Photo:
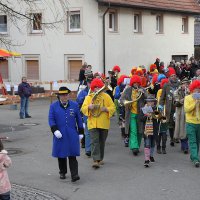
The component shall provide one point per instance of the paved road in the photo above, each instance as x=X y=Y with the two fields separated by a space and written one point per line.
x=34 y=172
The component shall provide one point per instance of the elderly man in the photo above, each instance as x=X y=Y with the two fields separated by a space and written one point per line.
x=66 y=124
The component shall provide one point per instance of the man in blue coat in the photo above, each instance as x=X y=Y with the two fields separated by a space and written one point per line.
x=67 y=127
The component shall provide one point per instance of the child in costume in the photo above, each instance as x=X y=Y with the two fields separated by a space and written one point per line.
x=149 y=130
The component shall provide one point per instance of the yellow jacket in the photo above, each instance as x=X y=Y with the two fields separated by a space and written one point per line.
x=103 y=121
x=159 y=93
x=190 y=110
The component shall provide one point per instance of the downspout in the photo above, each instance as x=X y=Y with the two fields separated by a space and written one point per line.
x=104 y=41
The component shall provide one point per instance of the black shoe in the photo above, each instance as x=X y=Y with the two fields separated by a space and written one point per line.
x=197 y=164
x=176 y=140
x=164 y=151
x=21 y=117
x=28 y=116
x=185 y=151
x=75 y=178
x=158 y=151
x=146 y=163
x=62 y=176
x=135 y=152
x=172 y=143
x=152 y=159
x=88 y=154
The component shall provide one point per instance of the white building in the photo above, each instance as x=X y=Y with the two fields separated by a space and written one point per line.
x=135 y=34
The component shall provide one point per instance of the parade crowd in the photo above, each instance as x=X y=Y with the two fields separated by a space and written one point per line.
x=149 y=104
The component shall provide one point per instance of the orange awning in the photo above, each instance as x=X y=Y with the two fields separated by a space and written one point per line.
x=12 y=53
x=4 y=54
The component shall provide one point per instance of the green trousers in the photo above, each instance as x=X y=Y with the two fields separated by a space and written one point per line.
x=98 y=138
x=193 y=134
x=135 y=138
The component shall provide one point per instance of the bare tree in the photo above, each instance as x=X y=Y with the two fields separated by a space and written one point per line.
x=17 y=14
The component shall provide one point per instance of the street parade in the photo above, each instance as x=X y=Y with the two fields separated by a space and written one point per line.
x=156 y=105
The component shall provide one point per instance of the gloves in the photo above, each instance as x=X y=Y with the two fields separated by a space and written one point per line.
x=80 y=137
x=57 y=134
x=160 y=107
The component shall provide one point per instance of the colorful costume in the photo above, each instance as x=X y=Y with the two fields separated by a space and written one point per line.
x=192 y=108
x=99 y=110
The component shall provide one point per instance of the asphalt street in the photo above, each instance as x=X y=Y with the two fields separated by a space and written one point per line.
x=34 y=173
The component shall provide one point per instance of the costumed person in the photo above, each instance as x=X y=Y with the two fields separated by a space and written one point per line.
x=117 y=70
x=155 y=86
x=133 y=98
x=80 y=99
x=140 y=73
x=162 y=125
x=152 y=70
x=66 y=125
x=24 y=91
x=121 y=84
x=150 y=127
x=111 y=81
x=167 y=100
x=192 y=115
x=180 y=131
x=99 y=108
x=133 y=70
x=5 y=163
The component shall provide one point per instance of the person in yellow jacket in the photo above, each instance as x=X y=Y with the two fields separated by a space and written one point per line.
x=99 y=108
x=192 y=115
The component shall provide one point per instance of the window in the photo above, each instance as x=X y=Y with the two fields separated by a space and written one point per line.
x=159 y=24
x=4 y=69
x=137 y=23
x=185 y=25
x=74 y=69
x=36 y=23
x=178 y=58
x=74 y=21
x=113 y=21
x=3 y=24
x=32 y=69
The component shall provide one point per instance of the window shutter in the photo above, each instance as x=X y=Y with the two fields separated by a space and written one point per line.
x=32 y=69
x=74 y=69
x=4 y=69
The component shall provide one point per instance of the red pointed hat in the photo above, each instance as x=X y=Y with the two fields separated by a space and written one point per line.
x=96 y=83
x=116 y=68
x=135 y=79
x=195 y=84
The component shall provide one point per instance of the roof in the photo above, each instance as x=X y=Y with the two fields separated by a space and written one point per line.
x=184 y=6
x=197 y=34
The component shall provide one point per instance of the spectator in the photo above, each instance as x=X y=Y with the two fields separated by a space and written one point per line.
x=24 y=91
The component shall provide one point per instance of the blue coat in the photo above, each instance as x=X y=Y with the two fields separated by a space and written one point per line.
x=68 y=121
